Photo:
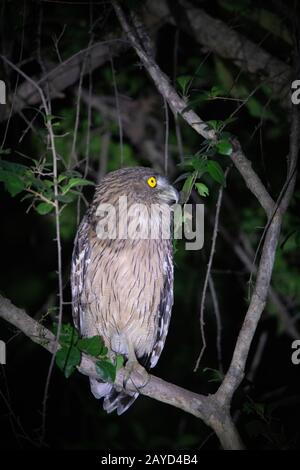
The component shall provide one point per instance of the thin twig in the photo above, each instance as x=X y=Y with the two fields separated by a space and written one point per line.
x=89 y=119
x=17 y=79
x=40 y=196
x=207 y=275
x=257 y=356
x=56 y=42
x=105 y=141
x=215 y=302
x=78 y=101
x=114 y=81
x=57 y=223
x=166 y=152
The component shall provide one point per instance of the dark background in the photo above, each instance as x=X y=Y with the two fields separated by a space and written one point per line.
x=266 y=407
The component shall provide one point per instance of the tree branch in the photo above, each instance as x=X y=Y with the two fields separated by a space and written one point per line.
x=206 y=408
x=176 y=103
x=178 y=106
x=230 y=44
x=236 y=370
x=218 y=37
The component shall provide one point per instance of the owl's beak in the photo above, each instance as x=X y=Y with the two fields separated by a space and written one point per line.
x=170 y=195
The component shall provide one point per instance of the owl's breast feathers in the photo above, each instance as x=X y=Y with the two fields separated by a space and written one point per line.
x=122 y=294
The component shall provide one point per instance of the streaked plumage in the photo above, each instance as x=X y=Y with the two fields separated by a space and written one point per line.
x=122 y=289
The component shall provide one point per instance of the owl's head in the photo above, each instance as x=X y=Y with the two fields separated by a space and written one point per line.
x=139 y=184
x=134 y=204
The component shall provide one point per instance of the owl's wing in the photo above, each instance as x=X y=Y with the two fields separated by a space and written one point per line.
x=80 y=261
x=164 y=311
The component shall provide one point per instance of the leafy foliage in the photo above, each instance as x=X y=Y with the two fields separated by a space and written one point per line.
x=39 y=186
x=68 y=357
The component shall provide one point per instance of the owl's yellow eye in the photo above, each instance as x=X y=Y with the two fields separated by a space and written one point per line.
x=152 y=181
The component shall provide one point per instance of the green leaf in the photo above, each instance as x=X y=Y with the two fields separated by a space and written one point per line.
x=68 y=334
x=61 y=178
x=76 y=182
x=67 y=198
x=230 y=120
x=216 y=91
x=216 y=375
x=225 y=135
x=12 y=182
x=15 y=168
x=119 y=361
x=200 y=164
x=187 y=187
x=44 y=208
x=39 y=185
x=67 y=359
x=48 y=183
x=216 y=172
x=49 y=117
x=224 y=147
x=186 y=164
x=92 y=346
x=215 y=124
x=258 y=110
x=106 y=370
x=202 y=189
x=183 y=81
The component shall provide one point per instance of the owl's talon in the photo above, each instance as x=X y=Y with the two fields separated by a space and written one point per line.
x=133 y=367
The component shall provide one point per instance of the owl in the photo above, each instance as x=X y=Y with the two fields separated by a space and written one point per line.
x=122 y=272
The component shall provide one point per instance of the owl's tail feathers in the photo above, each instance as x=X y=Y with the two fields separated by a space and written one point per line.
x=119 y=401
x=113 y=400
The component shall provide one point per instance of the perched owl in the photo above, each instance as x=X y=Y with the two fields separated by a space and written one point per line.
x=122 y=271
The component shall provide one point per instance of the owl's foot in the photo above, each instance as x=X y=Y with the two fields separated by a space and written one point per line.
x=134 y=368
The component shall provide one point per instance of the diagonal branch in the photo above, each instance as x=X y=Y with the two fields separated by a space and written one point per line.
x=228 y=43
x=178 y=106
x=176 y=103
x=215 y=35
x=206 y=408
x=258 y=301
